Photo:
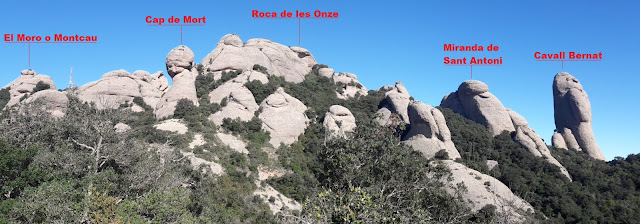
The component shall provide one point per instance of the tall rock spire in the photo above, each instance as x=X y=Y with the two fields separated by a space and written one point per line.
x=474 y=101
x=572 y=113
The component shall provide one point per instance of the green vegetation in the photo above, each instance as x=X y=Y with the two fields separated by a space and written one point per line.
x=5 y=96
x=600 y=192
x=369 y=170
x=76 y=169
x=40 y=86
x=249 y=130
x=261 y=91
x=185 y=109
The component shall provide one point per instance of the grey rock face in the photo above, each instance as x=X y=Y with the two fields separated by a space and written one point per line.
x=428 y=132
x=474 y=101
x=479 y=194
x=179 y=60
x=183 y=74
x=54 y=102
x=396 y=101
x=284 y=117
x=117 y=87
x=121 y=128
x=531 y=141
x=233 y=142
x=338 y=121
x=305 y=55
x=350 y=85
x=240 y=101
x=558 y=141
x=291 y=63
x=572 y=111
x=326 y=72
x=232 y=40
x=24 y=84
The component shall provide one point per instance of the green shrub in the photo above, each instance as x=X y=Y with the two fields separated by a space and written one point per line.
x=442 y=154
x=5 y=96
x=40 y=86
x=588 y=198
x=261 y=91
x=185 y=109
x=250 y=130
x=260 y=68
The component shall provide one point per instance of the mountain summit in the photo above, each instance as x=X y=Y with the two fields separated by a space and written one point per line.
x=259 y=132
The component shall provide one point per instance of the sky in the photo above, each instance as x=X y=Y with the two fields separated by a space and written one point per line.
x=381 y=42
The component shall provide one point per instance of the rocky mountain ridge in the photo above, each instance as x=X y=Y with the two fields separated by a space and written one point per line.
x=285 y=117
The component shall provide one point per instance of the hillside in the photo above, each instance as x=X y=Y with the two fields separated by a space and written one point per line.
x=259 y=132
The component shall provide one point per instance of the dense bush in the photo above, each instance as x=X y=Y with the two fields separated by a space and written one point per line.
x=185 y=109
x=384 y=177
x=5 y=96
x=40 y=86
x=250 y=130
x=261 y=91
x=206 y=82
x=77 y=169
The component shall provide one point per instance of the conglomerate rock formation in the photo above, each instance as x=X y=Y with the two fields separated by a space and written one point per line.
x=572 y=113
x=338 y=122
x=284 y=117
x=428 y=132
x=120 y=86
x=25 y=84
x=183 y=74
x=474 y=101
x=231 y=54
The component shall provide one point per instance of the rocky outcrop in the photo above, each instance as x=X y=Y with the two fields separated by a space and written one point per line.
x=280 y=203
x=121 y=128
x=183 y=76
x=118 y=87
x=338 y=121
x=172 y=125
x=558 y=141
x=284 y=117
x=326 y=72
x=233 y=142
x=428 y=132
x=532 y=142
x=291 y=63
x=178 y=60
x=482 y=190
x=198 y=140
x=240 y=101
x=305 y=55
x=203 y=165
x=158 y=81
x=53 y=101
x=349 y=85
x=396 y=101
x=474 y=101
x=25 y=84
x=572 y=113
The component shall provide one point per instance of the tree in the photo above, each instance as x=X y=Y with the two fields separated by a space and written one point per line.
x=185 y=109
x=40 y=86
x=5 y=96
